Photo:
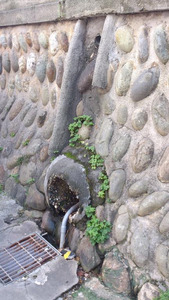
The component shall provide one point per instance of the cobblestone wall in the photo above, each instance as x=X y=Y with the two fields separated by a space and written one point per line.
x=122 y=82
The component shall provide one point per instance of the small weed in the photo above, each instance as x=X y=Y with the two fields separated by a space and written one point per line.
x=16 y=177
x=98 y=231
x=23 y=160
x=30 y=181
x=96 y=161
x=1 y=149
x=163 y=296
x=1 y=188
x=26 y=142
x=76 y=125
x=90 y=148
x=12 y=134
x=104 y=186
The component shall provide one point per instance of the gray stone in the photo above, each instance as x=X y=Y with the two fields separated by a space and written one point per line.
x=3 y=81
x=123 y=79
x=11 y=86
x=18 y=83
x=3 y=101
x=53 y=43
x=124 y=38
x=14 y=61
x=94 y=289
x=121 y=146
x=152 y=203
x=104 y=136
x=145 y=84
x=115 y=274
x=6 y=61
x=143 y=155
x=15 y=42
x=138 y=188
x=100 y=78
x=11 y=187
x=41 y=68
x=117 y=181
x=21 y=194
x=30 y=117
x=64 y=115
x=36 y=44
x=10 y=41
x=43 y=155
x=143 y=45
x=34 y=92
x=161 y=45
x=22 y=64
x=148 y=291
x=3 y=41
x=48 y=129
x=59 y=71
x=27 y=172
x=84 y=132
x=28 y=39
x=22 y=42
x=35 y=199
x=25 y=84
x=41 y=118
x=89 y=258
x=48 y=223
x=120 y=227
x=108 y=104
x=7 y=149
x=163 y=172
x=122 y=114
x=164 y=225
x=31 y=63
x=162 y=258
x=160 y=114
x=16 y=108
x=86 y=77
x=139 y=118
x=45 y=95
x=43 y=39
x=0 y=64
x=25 y=110
x=74 y=238
x=51 y=71
x=53 y=98
x=63 y=41
x=140 y=247
x=33 y=147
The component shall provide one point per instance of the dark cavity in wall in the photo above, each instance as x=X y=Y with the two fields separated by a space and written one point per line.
x=61 y=197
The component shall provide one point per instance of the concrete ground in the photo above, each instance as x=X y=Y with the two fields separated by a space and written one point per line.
x=45 y=283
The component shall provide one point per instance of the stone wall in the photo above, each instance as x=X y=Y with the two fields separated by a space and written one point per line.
x=122 y=82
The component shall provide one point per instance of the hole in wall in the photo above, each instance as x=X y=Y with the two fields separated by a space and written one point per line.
x=61 y=197
x=97 y=40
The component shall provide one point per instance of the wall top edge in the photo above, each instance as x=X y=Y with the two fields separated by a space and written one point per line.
x=48 y=10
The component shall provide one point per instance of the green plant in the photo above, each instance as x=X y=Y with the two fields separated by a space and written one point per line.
x=16 y=177
x=23 y=159
x=76 y=125
x=98 y=231
x=163 y=296
x=1 y=188
x=12 y=134
x=96 y=161
x=26 y=142
x=30 y=181
x=104 y=186
x=1 y=149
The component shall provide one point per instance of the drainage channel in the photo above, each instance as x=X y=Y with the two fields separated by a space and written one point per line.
x=24 y=256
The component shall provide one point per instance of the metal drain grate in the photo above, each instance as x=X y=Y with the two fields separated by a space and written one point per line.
x=24 y=256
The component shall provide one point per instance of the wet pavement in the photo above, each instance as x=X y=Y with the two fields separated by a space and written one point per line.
x=49 y=281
